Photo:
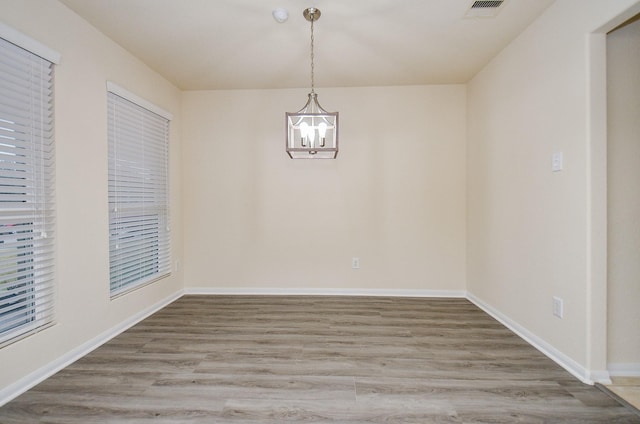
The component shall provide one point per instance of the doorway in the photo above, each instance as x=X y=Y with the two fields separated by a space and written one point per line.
x=623 y=210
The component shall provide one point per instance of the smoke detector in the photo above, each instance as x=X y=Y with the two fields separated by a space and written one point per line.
x=280 y=14
x=484 y=8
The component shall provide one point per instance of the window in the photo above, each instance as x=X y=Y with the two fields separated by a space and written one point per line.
x=139 y=234
x=27 y=218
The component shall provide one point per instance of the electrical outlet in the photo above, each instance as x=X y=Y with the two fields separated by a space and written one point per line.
x=558 y=308
x=355 y=263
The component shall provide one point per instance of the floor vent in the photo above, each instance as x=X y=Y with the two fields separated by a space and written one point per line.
x=484 y=8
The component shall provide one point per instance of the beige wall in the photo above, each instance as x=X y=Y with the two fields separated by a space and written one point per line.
x=623 y=82
x=89 y=59
x=533 y=233
x=442 y=188
x=394 y=197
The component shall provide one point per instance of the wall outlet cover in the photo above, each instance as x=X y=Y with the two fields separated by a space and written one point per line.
x=558 y=307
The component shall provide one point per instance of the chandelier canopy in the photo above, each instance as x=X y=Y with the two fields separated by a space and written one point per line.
x=312 y=132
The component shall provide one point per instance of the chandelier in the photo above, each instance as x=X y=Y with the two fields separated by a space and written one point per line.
x=312 y=132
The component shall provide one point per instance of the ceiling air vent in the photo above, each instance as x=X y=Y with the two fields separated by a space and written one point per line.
x=480 y=4
x=484 y=8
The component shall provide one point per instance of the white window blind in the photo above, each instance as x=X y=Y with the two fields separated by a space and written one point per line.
x=27 y=215
x=139 y=233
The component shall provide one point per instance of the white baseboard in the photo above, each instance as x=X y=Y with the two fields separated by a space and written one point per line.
x=629 y=369
x=322 y=292
x=602 y=377
x=577 y=370
x=19 y=387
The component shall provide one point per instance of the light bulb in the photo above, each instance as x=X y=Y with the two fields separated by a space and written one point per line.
x=304 y=130
x=322 y=131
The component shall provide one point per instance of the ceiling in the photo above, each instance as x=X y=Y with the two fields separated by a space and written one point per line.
x=237 y=44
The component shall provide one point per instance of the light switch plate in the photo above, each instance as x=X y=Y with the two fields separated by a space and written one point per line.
x=558 y=307
x=557 y=162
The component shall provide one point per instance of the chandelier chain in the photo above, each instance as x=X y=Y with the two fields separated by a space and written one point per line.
x=312 y=57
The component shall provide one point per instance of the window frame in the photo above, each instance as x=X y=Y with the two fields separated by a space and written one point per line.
x=27 y=175
x=139 y=195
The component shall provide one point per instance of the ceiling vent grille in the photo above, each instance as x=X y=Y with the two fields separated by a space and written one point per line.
x=483 y=4
x=484 y=8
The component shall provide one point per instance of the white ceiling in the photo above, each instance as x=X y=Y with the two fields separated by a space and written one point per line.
x=236 y=44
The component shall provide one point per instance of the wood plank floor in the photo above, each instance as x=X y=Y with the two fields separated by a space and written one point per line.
x=246 y=359
x=626 y=390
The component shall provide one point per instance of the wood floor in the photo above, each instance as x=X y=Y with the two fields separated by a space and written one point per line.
x=626 y=389
x=226 y=359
